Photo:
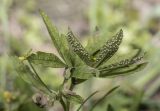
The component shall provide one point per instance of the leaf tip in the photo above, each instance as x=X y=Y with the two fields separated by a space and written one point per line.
x=121 y=32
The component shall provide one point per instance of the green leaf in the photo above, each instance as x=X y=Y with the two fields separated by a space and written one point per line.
x=59 y=40
x=124 y=70
x=103 y=98
x=70 y=58
x=46 y=60
x=84 y=72
x=27 y=75
x=74 y=98
x=110 y=108
x=87 y=100
x=77 y=47
x=116 y=58
x=109 y=49
x=123 y=63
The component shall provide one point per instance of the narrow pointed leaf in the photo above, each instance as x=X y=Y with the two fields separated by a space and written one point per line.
x=116 y=58
x=59 y=40
x=109 y=49
x=78 y=48
x=104 y=97
x=27 y=75
x=87 y=100
x=123 y=71
x=123 y=63
x=46 y=60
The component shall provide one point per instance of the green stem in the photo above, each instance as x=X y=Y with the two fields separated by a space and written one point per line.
x=64 y=81
x=71 y=88
x=66 y=104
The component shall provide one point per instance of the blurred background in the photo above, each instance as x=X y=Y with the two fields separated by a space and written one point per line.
x=22 y=29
